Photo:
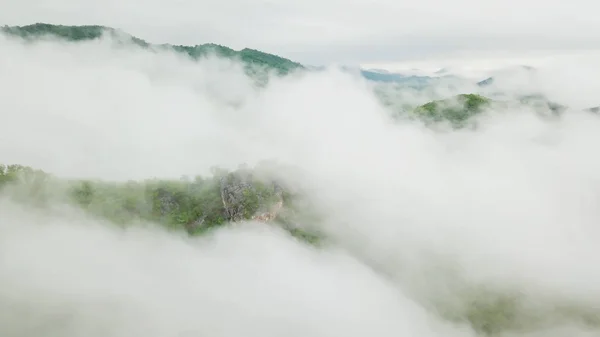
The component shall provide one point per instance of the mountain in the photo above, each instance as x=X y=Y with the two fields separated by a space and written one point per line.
x=191 y=205
x=456 y=109
x=508 y=71
x=385 y=76
x=250 y=57
x=389 y=77
x=486 y=82
x=204 y=204
x=459 y=109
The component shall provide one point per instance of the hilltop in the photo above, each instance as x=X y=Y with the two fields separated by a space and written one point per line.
x=250 y=57
x=203 y=204
x=193 y=205
x=455 y=109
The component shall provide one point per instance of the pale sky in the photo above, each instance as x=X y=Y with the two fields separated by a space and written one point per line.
x=325 y=31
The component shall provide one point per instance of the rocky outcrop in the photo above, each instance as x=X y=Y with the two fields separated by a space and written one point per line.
x=247 y=198
x=235 y=192
x=272 y=209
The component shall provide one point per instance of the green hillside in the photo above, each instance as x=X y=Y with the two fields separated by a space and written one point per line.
x=460 y=109
x=202 y=204
x=191 y=205
x=251 y=57
x=455 y=109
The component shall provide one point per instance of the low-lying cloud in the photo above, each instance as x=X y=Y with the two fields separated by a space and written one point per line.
x=419 y=220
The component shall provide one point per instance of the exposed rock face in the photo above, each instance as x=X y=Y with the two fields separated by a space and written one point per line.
x=235 y=192
x=243 y=200
x=271 y=214
x=269 y=211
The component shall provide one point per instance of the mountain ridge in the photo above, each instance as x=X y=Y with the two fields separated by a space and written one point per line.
x=254 y=59
x=249 y=56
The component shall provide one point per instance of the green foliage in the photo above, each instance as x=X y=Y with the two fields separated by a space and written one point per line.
x=460 y=109
x=282 y=65
x=493 y=313
x=71 y=33
x=194 y=205
x=34 y=183
x=457 y=110
x=253 y=59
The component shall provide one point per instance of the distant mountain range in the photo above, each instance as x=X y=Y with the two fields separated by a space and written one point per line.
x=251 y=57
x=255 y=60
x=82 y=33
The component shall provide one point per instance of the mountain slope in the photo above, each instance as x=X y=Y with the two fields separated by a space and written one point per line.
x=207 y=203
x=455 y=109
x=191 y=205
x=250 y=57
x=458 y=110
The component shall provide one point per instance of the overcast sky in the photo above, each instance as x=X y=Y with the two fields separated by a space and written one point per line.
x=325 y=31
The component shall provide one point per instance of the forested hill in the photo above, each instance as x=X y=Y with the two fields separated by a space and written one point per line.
x=455 y=109
x=249 y=56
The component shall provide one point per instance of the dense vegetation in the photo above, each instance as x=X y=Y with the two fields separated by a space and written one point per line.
x=193 y=205
x=201 y=204
x=460 y=110
x=457 y=109
x=252 y=58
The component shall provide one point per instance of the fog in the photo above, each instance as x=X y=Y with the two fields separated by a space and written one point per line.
x=419 y=220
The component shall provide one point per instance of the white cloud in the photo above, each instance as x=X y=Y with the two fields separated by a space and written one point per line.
x=512 y=205
x=326 y=31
